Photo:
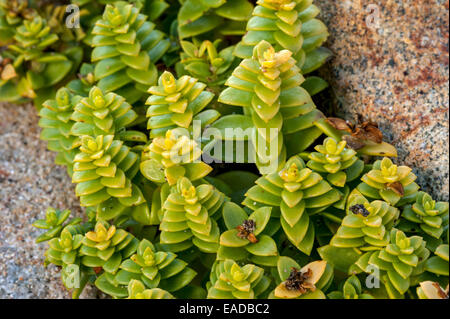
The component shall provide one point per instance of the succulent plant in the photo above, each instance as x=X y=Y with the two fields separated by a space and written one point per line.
x=53 y=223
x=366 y=225
x=431 y=290
x=65 y=27
x=64 y=250
x=204 y=61
x=84 y=82
x=188 y=217
x=296 y=191
x=94 y=164
x=351 y=289
x=230 y=281
x=177 y=103
x=244 y=239
x=151 y=268
x=36 y=67
x=126 y=48
x=364 y=137
x=438 y=264
x=167 y=159
x=197 y=17
x=338 y=163
x=290 y=25
x=301 y=282
x=105 y=248
x=12 y=13
x=137 y=290
x=162 y=221
x=101 y=114
x=267 y=86
x=403 y=258
x=431 y=216
x=56 y=123
x=103 y=170
x=394 y=184
x=91 y=10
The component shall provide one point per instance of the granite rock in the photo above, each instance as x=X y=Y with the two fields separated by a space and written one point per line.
x=391 y=65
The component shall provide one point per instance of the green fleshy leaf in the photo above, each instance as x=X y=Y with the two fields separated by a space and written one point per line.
x=231 y=239
x=233 y=215
x=264 y=247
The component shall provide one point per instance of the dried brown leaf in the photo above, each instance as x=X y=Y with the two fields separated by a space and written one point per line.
x=397 y=187
x=353 y=142
x=370 y=131
x=340 y=124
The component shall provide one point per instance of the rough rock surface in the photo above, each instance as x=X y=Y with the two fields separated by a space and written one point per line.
x=29 y=183
x=391 y=65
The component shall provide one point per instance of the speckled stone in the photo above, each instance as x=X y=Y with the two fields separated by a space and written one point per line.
x=29 y=183
x=391 y=65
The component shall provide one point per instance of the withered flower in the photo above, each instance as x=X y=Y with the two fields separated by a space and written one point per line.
x=298 y=280
x=359 y=209
x=246 y=230
x=301 y=281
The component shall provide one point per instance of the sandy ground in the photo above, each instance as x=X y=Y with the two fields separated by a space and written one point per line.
x=29 y=183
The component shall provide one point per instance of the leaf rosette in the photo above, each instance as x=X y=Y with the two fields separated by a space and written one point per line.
x=126 y=48
x=294 y=192
x=399 y=262
x=431 y=216
x=230 y=281
x=150 y=267
x=389 y=182
x=244 y=239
